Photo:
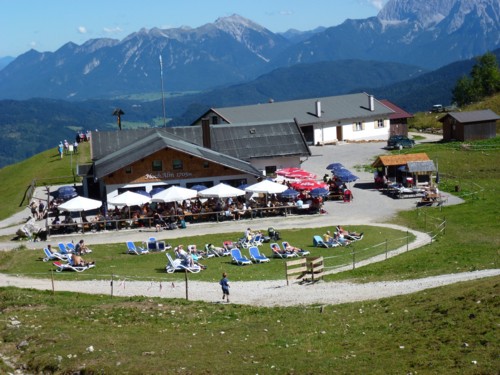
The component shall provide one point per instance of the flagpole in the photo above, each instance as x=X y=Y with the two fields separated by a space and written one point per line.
x=162 y=93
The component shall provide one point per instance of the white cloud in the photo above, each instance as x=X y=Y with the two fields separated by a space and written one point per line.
x=82 y=29
x=112 y=30
x=286 y=13
x=377 y=4
x=33 y=44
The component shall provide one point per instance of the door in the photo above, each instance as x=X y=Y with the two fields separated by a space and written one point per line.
x=308 y=132
x=340 y=136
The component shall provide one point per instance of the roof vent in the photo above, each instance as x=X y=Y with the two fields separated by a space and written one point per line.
x=252 y=131
x=371 y=103
x=318 y=108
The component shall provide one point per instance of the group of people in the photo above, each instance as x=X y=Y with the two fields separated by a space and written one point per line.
x=341 y=237
x=37 y=209
x=76 y=259
x=190 y=257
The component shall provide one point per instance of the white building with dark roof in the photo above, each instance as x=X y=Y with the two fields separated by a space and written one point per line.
x=326 y=120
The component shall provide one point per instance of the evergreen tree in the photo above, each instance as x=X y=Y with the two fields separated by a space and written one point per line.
x=484 y=81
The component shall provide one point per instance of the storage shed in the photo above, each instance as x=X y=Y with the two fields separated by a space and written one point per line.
x=417 y=168
x=469 y=126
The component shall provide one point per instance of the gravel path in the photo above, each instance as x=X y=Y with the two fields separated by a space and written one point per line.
x=369 y=207
x=256 y=293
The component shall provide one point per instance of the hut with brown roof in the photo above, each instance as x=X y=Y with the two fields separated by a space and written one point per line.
x=406 y=168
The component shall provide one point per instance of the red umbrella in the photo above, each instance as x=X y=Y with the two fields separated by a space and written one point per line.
x=295 y=173
x=308 y=185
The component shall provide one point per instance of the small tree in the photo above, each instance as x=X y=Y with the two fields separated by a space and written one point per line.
x=484 y=81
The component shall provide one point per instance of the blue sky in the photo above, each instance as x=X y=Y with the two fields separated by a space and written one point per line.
x=46 y=25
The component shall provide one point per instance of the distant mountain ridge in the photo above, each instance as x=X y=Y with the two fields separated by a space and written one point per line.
x=34 y=125
x=427 y=33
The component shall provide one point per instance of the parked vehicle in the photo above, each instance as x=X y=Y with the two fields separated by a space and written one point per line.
x=400 y=141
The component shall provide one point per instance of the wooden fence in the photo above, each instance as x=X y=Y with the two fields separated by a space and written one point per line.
x=304 y=269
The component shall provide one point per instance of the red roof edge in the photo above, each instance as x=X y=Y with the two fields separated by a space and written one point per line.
x=398 y=112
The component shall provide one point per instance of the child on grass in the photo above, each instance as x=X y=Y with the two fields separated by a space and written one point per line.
x=224 y=283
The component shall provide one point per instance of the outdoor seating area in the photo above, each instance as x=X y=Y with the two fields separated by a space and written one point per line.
x=176 y=207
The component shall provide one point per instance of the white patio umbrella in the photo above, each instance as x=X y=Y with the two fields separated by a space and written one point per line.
x=221 y=191
x=80 y=204
x=174 y=194
x=267 y=187
x=129 y=198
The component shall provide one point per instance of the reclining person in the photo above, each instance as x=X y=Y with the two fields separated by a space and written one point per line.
x=292 y=249
x=276 y=248
x=77 y=261
x=349 y=235
x=187 y=259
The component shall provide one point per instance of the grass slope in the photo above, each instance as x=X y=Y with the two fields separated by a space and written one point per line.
x=46 y=168
x=448 y=330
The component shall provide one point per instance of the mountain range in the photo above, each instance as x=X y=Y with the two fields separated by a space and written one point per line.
x=236 y=62
x=425 y=33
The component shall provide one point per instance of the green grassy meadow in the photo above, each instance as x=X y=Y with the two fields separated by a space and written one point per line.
x=446 y=330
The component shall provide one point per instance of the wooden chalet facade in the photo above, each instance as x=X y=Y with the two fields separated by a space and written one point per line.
x=398 y=119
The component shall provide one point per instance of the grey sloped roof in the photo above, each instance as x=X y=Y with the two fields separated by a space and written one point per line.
x=249 y=141
x=333 y=108
x=421 y=166
x=473 y=116
x=156 y=141
x=105 y=143
x=268 y=140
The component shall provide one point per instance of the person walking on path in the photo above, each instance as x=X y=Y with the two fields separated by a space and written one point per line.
x=224 y=283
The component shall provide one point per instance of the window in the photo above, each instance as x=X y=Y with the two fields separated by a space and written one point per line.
x=157 y=165
x=206 y=164
x=270 y=170
x=380 y=123
x=177 y=164
x=128 y=170
x=215 y=120
x=358 y=126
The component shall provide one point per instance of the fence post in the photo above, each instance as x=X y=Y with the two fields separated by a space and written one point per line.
x=386 y=249
x=112 y=285
x=286 y=274
x=187 y=287
x=444 y=229
x=407 y=241
x=52 y=278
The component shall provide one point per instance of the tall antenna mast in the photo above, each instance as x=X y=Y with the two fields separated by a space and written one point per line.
x=162 y=94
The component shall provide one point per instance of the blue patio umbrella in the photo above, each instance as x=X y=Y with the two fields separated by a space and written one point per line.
x=348 y=177
x=335 y=166
x=319 y=192
x=198 y=187
x=289 y=193
x=143 y=192
x=156 y=190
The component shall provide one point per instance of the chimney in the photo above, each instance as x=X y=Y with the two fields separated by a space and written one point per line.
x=205 y=133
x=318 y=108
x=371 y=103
